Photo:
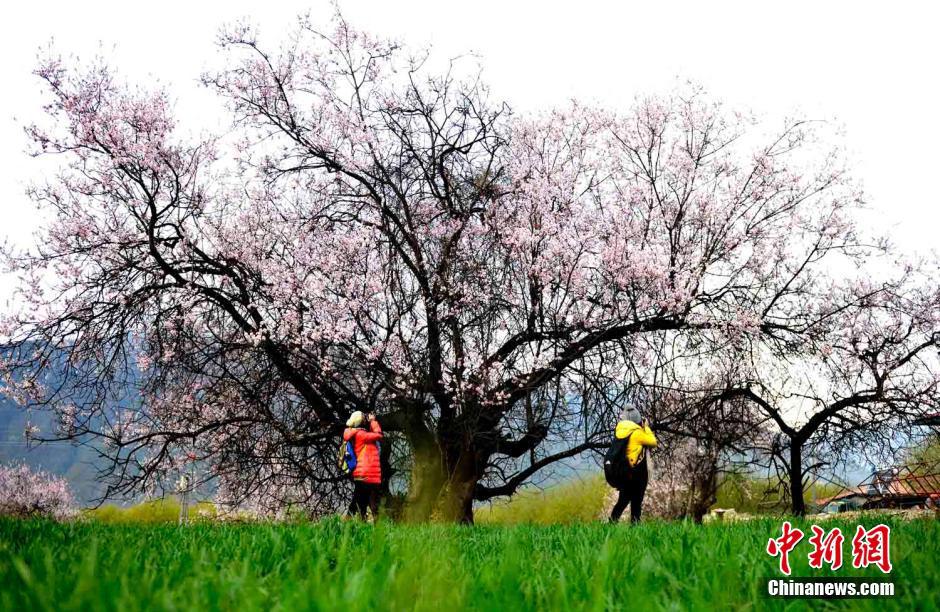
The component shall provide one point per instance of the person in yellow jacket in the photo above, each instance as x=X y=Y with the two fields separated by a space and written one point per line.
x=633 y=490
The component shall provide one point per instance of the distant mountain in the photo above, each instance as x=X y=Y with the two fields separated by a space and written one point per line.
x=75 y=463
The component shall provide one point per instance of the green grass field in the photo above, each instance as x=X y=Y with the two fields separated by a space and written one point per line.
x=349 y=565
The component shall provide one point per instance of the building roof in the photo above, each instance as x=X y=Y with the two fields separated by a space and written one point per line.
x=843 y=494
x=919 y=480
x=914 y=480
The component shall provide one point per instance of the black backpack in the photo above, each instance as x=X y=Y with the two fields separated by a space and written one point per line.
x=617 y=469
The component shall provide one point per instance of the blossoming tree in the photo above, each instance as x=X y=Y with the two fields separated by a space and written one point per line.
x=28 y=493
x=375 y=234
x=870 y=374
x=857 y=380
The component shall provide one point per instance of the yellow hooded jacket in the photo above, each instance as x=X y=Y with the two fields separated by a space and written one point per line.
x=642 y=437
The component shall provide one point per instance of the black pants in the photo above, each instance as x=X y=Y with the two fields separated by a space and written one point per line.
x=365 y=496
x=632 y=493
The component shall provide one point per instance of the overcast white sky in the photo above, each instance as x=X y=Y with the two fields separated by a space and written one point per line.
x=874 y=67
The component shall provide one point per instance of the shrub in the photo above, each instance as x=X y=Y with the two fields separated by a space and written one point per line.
x=25 y=493
x=575 y=501
x=152 y=511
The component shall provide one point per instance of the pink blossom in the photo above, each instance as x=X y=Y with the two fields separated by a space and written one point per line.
x=25 y=493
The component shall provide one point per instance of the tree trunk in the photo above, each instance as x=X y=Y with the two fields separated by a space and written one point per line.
x=705 y=485
x=444 y=475
x=457 y=498
x=798 y=505
x=427 y=476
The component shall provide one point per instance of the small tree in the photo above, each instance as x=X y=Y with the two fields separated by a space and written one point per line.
x=869 y=374
x=27 y=493
x=700 y=434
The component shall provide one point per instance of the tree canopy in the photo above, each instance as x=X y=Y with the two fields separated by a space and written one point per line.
x=374 y=234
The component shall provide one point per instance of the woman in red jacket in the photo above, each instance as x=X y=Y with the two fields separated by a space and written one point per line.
x=367 y=476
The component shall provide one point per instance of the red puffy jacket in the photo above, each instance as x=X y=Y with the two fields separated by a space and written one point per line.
x=368 y=465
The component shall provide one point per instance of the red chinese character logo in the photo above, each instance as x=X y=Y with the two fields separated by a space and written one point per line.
x=828 y=548
x=872 y=547
x=783 y=545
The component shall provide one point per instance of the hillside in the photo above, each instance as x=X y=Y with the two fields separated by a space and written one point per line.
x=75 y=463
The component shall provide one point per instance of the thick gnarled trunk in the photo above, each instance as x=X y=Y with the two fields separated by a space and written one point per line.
x=427 y=476
x=456 y=500
x=444 y=475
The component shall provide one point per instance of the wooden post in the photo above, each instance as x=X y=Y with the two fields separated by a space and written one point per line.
x=182 y=488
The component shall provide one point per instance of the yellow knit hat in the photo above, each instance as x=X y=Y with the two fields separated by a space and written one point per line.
x=355 y=419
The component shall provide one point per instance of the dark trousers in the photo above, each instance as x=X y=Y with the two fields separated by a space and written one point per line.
x=632 y=493
x=365 y=496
